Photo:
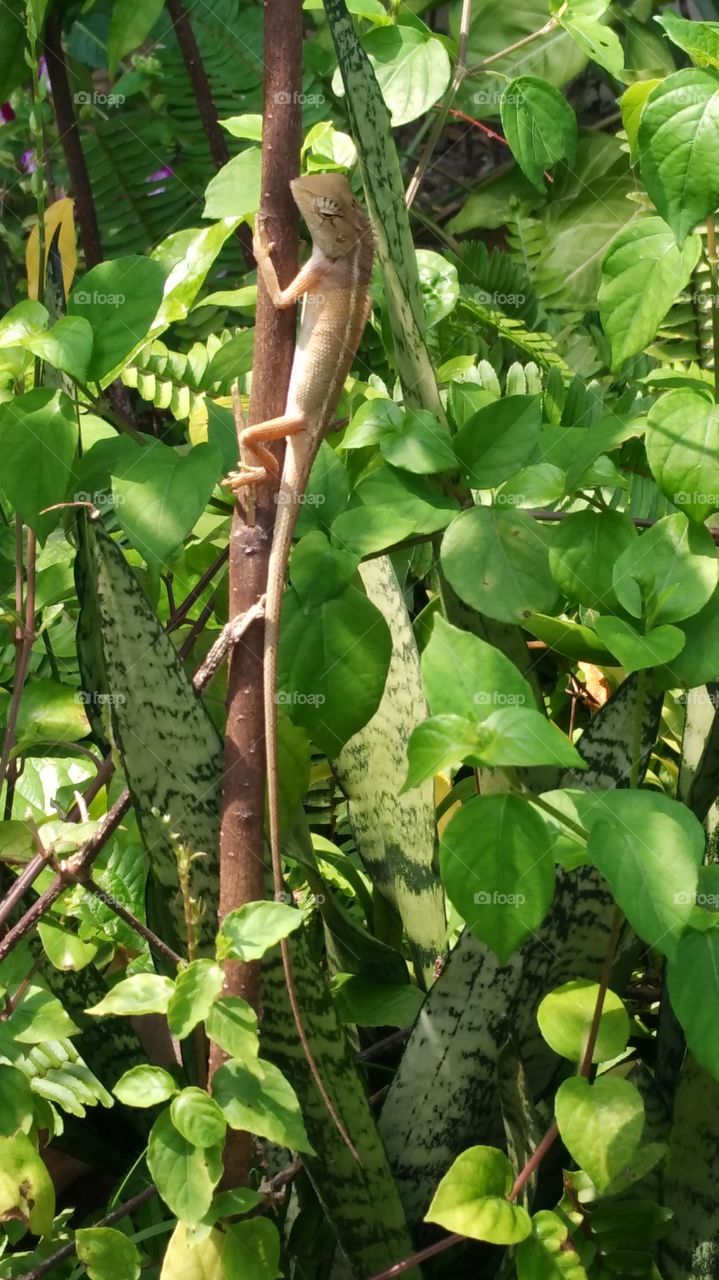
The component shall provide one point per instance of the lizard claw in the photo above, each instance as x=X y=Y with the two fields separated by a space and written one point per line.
x=260 y=247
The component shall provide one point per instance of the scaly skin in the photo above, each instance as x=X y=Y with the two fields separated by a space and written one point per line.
x=334 y=284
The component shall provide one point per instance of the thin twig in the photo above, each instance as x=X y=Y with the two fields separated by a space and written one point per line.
x=156 y=943
x=460 y=71
x=182 y=610
x=202 y=91
x=67 y=1250
x=514 y=48
x=25 y=637
x=70 y=140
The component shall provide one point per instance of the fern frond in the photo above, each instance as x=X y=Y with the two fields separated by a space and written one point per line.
x=176 y=380
x=503 y=281
x=526 y=240
x=539 y=347
x=158 y=126
x=685 y=335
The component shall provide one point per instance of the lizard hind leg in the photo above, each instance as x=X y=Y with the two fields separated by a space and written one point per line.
x=253 y=442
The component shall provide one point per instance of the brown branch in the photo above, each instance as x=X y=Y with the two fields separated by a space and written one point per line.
x=70 y=139
x=81 y=860
x=24 y=638
x=202 y=90
x=154 y=942
x=242 y=864
x=67 y=1250
x=193 y=596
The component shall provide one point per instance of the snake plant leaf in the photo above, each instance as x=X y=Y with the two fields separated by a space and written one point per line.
x=384 y=190
x=171 y=752
x=444 y=1096
x=361 y=1200
x=690 y=1248
x=523 y=1127
x=394 y=830
x=699 y=772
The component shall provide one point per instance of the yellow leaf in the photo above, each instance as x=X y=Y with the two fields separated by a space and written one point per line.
x=59 y=214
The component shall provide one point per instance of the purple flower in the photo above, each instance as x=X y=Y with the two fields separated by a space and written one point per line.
x=28 y=161
x=6 y=113
x=157 y=176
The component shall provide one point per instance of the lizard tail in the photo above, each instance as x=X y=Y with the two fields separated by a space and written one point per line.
x=281 y=544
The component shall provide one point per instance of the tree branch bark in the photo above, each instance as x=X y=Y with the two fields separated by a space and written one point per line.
x=242 y=863
x=70 y=139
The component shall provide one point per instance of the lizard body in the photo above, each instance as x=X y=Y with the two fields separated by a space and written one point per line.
x=334 y=285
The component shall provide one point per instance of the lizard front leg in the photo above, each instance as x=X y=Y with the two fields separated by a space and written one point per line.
x=254 y=439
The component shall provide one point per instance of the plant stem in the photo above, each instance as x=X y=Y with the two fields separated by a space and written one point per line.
x=713 y=262
x=514 y=48
x=441 y=119
x=70 y=139
x=38 y=177
x=604 y=977
x=202 y=90
x=151 y=938
x=572 y=826
x=67 y=1250
x=24 y=638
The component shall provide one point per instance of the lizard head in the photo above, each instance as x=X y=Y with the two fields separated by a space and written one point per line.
x=334 y=219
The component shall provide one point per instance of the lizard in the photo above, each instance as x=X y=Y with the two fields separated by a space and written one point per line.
x=334 y=287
